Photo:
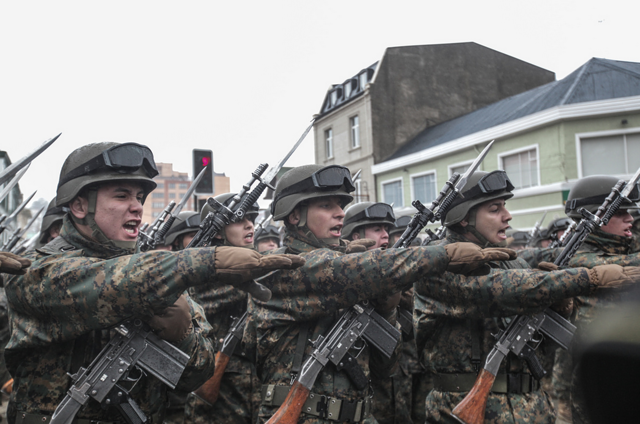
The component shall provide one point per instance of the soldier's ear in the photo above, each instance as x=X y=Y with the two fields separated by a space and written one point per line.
x=294 y=217
x=79 y=207
x=355 y=236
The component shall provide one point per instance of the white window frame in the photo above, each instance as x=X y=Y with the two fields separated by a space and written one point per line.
x=354 y=131
x=581 y=136
x=520 y=150
x=420 y=174
x=328 y=143
x=394 y=180
x=457 y=164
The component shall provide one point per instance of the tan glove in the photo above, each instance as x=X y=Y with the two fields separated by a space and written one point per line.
x=467 y=258
x=613 y=276
x=174 y=323
x=359 y=246
x=238 y=267
x=13 y=264
x=548 y=266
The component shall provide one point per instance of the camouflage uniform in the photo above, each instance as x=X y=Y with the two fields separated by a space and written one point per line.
x=238 y=398
x=62 y=309
x=315 y=294
x=445 y=334
x=4 y=338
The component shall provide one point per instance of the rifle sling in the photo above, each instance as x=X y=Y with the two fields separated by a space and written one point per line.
x=515 y=383
x=326 y=407
x=302 y=341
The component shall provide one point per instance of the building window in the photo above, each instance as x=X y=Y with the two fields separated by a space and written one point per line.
x=158 y=195
x=424 y=187
x=157 y=205
x=459 y=168
x=172 y=185
x=392 y=193
x=354 y=124
x=183 y=185
x=172 y=195
x=155 y=214
x=160 y=185
x=328 y=143
x=521 y=167
x=610 y=154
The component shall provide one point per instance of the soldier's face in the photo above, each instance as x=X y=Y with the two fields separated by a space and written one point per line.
x=620 y=224
x=119 y=210
x=379 y=233
x=325 y=218
x=266 y=245
x=492 y=221
x=240 y=234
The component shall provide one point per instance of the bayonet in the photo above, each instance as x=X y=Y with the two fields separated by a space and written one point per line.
x=11 y=170
x=7 y=189
x=17 y=235
x=4 y=222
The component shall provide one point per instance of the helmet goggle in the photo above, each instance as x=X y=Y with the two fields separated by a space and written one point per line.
x=326 y=179
x=125 y=158
x=376 y=211
x=495 y=181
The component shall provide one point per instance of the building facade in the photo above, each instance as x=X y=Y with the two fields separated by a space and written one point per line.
x=172 y=185
x=546 y=139
x=368 y=117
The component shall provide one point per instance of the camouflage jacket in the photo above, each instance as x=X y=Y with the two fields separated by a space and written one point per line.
x=313 y=296
x=454 y=336
x=62 y=309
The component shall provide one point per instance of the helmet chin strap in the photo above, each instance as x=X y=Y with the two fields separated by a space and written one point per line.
x=471 y=228
x=96 y=233
x=302 y=227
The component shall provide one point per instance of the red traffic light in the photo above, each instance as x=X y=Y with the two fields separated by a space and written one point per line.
x=205 y=161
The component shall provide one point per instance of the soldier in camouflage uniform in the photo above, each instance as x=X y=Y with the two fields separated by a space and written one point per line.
x=51 y=223
x=608 y=244
x=391 y=396
x=10 y=264
x=182 y=230
x=89 y=279
x=307 y=302
x=418 y=382
x=268 y=239
x=238 y=400
x=454 y=338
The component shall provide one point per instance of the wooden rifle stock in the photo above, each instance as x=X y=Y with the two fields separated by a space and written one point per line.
x=210 y=390
x=471 y=409
x=291 y=408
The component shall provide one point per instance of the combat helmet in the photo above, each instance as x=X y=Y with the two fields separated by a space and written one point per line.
x=266 y=233
x=481 y=187
x=358 y=216
x=53 y=215
x=590 y=192
x=251 y=213
x=310 y=182
x=186 y=222
x=105 y=162
x=89 y=166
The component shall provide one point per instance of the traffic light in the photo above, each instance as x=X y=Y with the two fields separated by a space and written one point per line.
x=202 y=158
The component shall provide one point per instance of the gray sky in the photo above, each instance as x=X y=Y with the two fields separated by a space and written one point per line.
x=244 y=78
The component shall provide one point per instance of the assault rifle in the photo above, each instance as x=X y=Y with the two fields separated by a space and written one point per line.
x=441 y=205
x=134 y=347
x=562 y=241
x=210 y=390
x=431 y=236
x=524 y=329
x=359 y=321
